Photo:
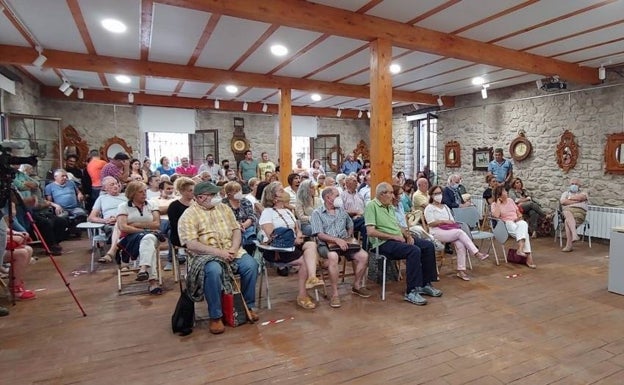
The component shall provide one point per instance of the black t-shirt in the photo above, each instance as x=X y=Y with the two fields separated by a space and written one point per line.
x=487 y=194
x=174 y=212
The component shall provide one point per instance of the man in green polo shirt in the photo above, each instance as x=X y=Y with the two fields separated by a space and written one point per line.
x=247 y=167
x=397 y=243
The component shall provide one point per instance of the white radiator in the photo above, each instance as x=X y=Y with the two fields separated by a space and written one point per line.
x=602 y=220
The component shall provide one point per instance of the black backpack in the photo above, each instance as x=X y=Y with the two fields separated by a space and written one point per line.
x=183 y=318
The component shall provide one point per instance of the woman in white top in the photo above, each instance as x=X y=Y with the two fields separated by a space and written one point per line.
x=316 y=168
x=443 y=227
x=139 y=218
x=275 y=215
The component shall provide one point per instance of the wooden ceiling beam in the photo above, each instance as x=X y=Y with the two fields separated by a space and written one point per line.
x=113 y=97
x=105 y=64
x=321 y=18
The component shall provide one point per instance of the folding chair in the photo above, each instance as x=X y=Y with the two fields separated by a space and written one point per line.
x=133 y=268
x=500 y=233
x=470 y=216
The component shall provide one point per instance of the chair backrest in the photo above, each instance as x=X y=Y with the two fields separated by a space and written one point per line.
x=500 y=231
x=468 y=215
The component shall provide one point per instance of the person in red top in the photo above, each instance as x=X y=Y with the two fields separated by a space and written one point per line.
x=186 y=168
x=94 y=169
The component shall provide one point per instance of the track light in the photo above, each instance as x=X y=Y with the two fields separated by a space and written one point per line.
x=440 y=102
x=64 y=86
x=602 y=73
x=484 y=94
x=38 y=62
x=68 y=91
x=368 y=114
x=339 y=112
x=216 y=104
x=130 y=97
x=245 y=106
x=265 y=108
x=539 y=84
x=360 y=114
x=80 y=93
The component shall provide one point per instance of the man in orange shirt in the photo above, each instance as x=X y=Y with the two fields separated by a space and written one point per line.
x=95 y=164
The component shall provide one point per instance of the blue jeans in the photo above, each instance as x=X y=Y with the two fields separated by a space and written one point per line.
x=420 y=261
x=165 y=228
x=248 y=271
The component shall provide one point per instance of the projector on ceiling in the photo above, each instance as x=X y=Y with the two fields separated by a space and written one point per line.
x=551 y=84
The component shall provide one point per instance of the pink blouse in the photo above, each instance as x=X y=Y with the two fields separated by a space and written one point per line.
x=507 y=211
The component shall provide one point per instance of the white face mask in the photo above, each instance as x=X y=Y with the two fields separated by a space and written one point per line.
x=338 y=202
x=215 y=200
x=437 y=198
x=238 y=196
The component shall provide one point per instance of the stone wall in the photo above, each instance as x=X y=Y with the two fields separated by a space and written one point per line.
x=590 y=114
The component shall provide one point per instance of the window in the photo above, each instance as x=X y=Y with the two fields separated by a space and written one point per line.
x=326 y=148
x=204 y=142
x=173 y=146
x=301 y=150
x=426 y=145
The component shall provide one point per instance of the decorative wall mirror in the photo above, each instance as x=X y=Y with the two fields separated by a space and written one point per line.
x=361 y=151
x=614 y=154
x=72 y=144
x=114 y=145
x=567 y=151
x=452 y=154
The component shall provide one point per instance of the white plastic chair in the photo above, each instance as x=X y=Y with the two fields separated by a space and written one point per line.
x=470 y=216
x=560 y=226
x=500 y=233
x=96 y=235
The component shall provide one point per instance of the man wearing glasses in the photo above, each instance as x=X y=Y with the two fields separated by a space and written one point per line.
x=209 y=230
x=397 y=243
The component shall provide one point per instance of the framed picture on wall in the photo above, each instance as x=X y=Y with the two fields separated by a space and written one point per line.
x=452 y=154
x=481 y=157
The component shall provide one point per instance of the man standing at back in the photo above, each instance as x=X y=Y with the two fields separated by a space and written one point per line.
x=501 y=168
x=118 y=167
x=265 y=166
x=247 y=168
x=212 y=168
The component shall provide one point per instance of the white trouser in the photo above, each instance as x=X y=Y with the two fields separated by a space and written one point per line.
x=148 y=252
x=520 y=231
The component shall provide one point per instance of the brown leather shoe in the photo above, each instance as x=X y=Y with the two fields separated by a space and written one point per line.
x=216 y=326
x=254 y=316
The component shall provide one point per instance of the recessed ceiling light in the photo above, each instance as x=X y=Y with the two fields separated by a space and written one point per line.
x=279 y=50
x=316 y=97
x=395 y=68
x=123 y=79
x=231 y=89
x=477 y=81
x=114 y=25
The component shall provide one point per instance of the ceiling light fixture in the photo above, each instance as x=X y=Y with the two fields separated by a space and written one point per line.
x=265 y=108
x=245 y=106
x=130 y=97
x=440 y=101
x=68 y=91
x=123 y=79
x=360 y=114
x=64 y=86
x=316 y=97
x=395 y=68
x=477 y=81
x=38 y=62
x=216 y=104
x=602 y=73
x=339 y=112
x=231 y=89
x=114 y=25
x=484 y=94
x=279 y=50
x=80 y=93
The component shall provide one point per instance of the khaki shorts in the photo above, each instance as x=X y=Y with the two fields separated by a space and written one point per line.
x=578 y=213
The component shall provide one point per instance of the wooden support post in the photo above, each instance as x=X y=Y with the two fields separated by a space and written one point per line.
x=285 y=135
x=381 y=113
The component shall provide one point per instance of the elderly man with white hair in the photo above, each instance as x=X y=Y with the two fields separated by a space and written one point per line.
x=575 y=204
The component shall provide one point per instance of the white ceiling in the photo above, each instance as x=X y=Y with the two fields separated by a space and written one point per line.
x=584 y=32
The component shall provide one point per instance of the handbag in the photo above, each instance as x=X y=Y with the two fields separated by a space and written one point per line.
x=352 y=245
x=233 y=309
x=183 y=318
x=282 y=237
x=449 y=226
x=513 y=257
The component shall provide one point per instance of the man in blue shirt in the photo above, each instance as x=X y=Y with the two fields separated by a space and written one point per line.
x=350 y=165
x=501 y=168
x=64 y=195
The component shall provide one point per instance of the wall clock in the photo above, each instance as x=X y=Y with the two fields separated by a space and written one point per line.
x=239 y=145
x=520 y=148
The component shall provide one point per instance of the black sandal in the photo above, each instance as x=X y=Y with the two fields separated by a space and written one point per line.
x=156 y=290
x=142 y=276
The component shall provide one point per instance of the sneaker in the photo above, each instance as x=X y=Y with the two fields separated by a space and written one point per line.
x=430 y=291
x=334 y=301
x=216 y=326
x=4 y=311
x=282 y=271
x=22 y=294
x=362 y=292
x=168 y=267
x=415 y=298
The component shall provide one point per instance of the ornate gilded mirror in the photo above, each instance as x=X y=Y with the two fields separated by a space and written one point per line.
x=567 y=151
x=114 y=145
x=614 y=154
x=72 y=144
x=452 y=154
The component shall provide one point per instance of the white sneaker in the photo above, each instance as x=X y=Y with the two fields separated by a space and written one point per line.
x=168 y=267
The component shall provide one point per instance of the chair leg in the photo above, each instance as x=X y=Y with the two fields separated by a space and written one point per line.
x=383 y=279
x=175 y=264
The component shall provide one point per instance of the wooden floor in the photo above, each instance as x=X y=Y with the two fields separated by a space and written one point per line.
x=554 y=325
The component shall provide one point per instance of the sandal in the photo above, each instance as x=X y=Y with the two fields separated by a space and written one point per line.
x=462 y=275
x=313 y=282
x=306 y=302
x=156 y=290
x=106 y=259
x=482 y=256
x=531 y=266
x=142 y=275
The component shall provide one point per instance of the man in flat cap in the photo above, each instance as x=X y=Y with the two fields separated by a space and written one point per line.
x=209 y=231
x=118 y=167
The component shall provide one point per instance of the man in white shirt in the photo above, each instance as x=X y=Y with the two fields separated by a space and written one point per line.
x=212 y=168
